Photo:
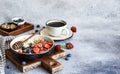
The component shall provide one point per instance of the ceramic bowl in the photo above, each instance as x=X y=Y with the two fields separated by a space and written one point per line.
x=32 y=56
x=19 y=21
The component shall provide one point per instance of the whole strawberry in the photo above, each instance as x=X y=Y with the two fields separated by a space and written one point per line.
x=73 y=29
x=58 y=47
x=69 y=45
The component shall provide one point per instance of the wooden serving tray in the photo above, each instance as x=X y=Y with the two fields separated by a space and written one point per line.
x=28 y=26
x=48 y=62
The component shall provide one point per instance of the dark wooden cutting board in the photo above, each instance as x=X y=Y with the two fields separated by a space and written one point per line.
x=48 y=62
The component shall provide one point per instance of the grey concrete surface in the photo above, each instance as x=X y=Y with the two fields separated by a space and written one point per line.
x=97 y=41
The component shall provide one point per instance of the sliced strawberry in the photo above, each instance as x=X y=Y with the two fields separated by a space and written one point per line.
x=47 y=46
x=42 y=42
x=41 y=50
x=35 y=46
x=73 y=29
x=50 y=43
x=36 y=50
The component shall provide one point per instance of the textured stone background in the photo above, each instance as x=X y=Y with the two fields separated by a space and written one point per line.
x=97 y=41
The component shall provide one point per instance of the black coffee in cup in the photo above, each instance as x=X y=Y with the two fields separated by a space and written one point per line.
x=57 y=28
x=56 y=24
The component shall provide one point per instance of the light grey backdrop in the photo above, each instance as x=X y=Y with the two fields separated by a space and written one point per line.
x=97 y=41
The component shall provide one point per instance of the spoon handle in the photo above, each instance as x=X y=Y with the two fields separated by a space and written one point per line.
x=34 y=34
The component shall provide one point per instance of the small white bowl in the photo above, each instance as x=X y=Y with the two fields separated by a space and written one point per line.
x=18 y=21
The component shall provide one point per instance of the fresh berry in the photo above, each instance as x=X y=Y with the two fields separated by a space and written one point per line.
x=42 y=42
x=69 y=45
x=22 y=26
x=36 y=50
x=41 y=50
x=35 y=46
x=8 y=66
x=73 y=29
x=28 y=50
x=19 y=20
x=23 y=62
x=68 y=55
x=58 y=48
x=36 y=30
x=66 y=58
x=50 y=43
x=20 y=51
x=47 y=46
x=38 y=26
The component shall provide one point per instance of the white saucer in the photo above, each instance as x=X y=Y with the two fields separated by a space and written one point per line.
x=61 y=37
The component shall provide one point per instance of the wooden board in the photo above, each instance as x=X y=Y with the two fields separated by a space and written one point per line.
x=48 y=62
x=28 y=26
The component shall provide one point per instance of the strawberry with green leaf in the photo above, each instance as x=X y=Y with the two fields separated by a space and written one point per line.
x=69 y=45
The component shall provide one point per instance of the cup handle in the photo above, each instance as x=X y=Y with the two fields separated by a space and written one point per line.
x=66 y=31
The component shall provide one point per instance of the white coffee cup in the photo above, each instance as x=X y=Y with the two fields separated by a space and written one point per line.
x=57 y=28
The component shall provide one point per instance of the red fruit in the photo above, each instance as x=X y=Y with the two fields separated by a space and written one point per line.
x=22 y=26
x=36 y=49
x=41 y=50
x=35 y=46
x=42 y=42
x=73 y=29
x=69 y=45
x=47 y=46
x=58 y=48
x=50 y=43
x=20 y=51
